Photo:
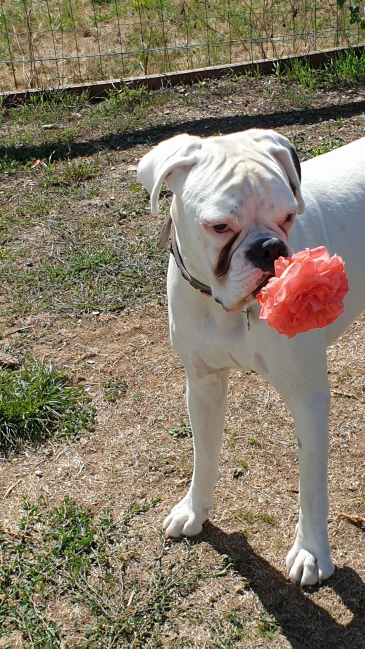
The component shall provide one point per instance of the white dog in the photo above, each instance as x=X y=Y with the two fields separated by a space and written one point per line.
x=238 y=204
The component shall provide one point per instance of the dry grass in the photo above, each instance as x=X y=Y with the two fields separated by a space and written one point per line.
x=239 y=594
x=132 y=457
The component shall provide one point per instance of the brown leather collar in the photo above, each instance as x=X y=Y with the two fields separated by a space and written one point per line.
x=203 y=288
x=168 y=227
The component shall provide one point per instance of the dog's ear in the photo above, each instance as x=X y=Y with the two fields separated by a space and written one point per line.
x=157 y=164
x=280 y=148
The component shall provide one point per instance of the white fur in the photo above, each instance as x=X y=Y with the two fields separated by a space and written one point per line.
x=243 y=179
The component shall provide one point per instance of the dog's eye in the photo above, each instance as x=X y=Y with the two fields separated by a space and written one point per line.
x=289 y=218
x=221 y=227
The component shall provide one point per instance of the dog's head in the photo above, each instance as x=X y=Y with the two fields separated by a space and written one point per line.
x=235 y=200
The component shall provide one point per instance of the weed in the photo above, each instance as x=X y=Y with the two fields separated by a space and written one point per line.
x=327 y=145
x=136 y=508
x=254 y=442
x=245 y=516
x=7 y=163
x=226 y=631
x=47 y=107
x=114 y=388
x=240 y=469
x=36 y=401
x=231 y=437
x=305 y=75
x=253 y=71
x=184 y=430
x=135 y=187
x=344 y=375
x=267 y=626
x=266 y=518
x=346 y=68
x=71 y=172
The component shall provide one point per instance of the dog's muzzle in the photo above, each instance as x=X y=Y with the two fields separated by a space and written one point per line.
x=264 y=252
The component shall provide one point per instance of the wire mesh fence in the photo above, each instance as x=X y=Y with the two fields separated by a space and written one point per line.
x=52 y=43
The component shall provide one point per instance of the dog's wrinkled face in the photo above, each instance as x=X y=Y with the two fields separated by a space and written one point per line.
x=235 y=199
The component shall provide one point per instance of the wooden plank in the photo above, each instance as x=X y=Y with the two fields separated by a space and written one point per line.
x=100 y=89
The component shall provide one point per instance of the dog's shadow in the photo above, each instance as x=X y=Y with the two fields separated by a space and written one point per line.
x=303 y=622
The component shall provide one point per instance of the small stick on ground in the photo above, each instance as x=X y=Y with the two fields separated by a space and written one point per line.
x=353 y=518
x=7 y=492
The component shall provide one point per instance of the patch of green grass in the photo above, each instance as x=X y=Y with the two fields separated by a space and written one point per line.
x=53 y=127
x=346 y=68
x=68 y=553
x=92 y=274
x=46 y=107
x=8 y=163
x=36 y=401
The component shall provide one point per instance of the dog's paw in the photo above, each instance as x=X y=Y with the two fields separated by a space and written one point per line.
x=187 y=517
x=306 y=568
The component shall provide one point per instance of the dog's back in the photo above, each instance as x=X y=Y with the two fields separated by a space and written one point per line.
x=333 y=187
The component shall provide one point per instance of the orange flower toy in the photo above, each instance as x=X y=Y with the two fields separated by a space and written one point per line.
x=306 y=293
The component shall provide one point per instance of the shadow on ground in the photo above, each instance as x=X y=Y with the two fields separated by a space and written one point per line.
x=304 y=623
x=203 y=127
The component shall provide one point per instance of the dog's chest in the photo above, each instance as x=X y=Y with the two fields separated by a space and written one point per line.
x=215 y=339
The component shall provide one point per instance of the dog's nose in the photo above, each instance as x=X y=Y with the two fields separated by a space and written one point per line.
x=263 y=253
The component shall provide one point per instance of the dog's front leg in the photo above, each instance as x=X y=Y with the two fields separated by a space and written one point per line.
x=309 y=559
x=206 y=399
x=303 y=384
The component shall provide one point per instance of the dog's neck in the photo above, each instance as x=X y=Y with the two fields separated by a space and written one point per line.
x=195 y=283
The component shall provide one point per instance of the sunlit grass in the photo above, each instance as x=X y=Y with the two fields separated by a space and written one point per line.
x=36 y=401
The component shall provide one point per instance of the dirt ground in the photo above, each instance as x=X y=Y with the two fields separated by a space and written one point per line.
x=133 y=456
